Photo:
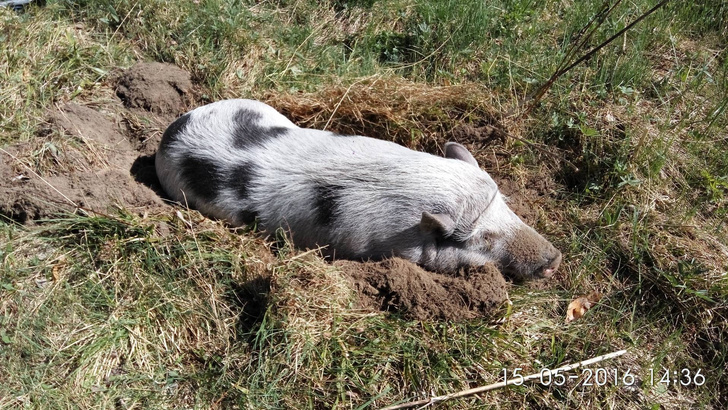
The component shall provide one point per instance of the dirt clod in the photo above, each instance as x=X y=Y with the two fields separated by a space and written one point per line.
x=156 y=87
x=398 y=285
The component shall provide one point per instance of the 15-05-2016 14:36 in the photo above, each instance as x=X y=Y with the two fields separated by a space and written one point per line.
x=603 y=376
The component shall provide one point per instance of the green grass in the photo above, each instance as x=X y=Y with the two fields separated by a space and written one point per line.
x=149 y=312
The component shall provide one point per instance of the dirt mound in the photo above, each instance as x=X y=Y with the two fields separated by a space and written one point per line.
x=155 y=87
x=96 y=132
x=26 y=198
x=101 y=165
x=93 y=175
x=400 y=286
x=86 y=122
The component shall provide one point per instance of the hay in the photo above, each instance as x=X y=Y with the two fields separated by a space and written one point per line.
x=419 y=116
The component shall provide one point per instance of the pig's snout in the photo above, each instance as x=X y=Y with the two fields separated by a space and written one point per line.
x=530 y=255
x=550 y=267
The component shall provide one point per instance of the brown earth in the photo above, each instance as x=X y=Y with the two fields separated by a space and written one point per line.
x=96 y=165
x=97 y=178
x=467 y=133
x=397 y=285
x=95 y=160
x=96 y=132
x=156 y=87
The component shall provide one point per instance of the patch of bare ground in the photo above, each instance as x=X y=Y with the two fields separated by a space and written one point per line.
x=397 y=285
x=156 y=87
x=96 y=179
x=95 y=165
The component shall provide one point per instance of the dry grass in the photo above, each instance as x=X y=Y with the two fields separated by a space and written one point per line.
x=416 y=115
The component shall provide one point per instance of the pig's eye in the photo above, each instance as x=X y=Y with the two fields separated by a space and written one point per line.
x=480 y=242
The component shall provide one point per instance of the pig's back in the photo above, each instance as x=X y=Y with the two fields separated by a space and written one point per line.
x=239 y=159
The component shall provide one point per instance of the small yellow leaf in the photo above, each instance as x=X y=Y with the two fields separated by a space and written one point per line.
x=578 y=307
x=56 y=270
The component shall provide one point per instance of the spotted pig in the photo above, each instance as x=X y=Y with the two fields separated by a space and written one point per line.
x=358 y=197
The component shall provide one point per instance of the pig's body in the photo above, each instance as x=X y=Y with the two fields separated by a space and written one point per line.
x=239 y=160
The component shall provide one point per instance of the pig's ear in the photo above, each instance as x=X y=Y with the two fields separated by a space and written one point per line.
x=439 y=223
x=457 y=151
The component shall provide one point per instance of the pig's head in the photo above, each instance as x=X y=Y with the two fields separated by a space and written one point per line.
x=489 y=233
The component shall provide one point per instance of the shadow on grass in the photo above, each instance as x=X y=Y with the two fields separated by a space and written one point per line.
x=252 y=297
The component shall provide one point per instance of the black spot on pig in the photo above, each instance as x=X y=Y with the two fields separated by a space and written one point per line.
x=174 y=129
x=326 y=202
x=247 y=131
x=246 y=217
x=240 y=179
x=202 y=176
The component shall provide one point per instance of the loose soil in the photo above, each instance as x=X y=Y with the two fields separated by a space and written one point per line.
x=397 y=285
x=156 y=87
x=96 y=165
x=92 y=175
x=101 y=160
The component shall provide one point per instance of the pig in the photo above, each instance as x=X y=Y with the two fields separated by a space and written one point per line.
x=357 y=197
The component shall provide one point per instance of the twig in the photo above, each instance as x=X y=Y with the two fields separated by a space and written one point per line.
x=470 y=392
x=585 y=34
x=304 y=254
x=544 y=88
x=121 y=24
